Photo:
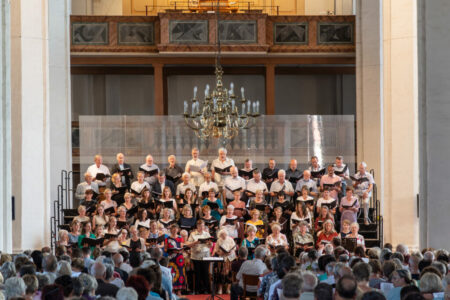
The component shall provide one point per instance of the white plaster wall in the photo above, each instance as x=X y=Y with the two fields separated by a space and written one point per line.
x=97 y=7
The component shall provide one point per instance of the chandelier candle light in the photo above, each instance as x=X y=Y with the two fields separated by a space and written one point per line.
x=218 y=115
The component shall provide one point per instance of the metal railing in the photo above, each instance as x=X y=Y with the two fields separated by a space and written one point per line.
x=236 y=7
x=63 y=201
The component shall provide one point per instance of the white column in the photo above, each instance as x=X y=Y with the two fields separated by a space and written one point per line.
x=5 y=131
x=59 y=91
x=40 y=114
x=400 y=127
x=369 y=68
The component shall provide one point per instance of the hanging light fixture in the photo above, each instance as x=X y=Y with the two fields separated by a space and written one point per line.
x=220 y=114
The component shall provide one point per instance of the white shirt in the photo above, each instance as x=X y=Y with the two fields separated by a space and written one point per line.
x=93 y=170
x=217 y=163
x=277 y=187
x=196 y=177
x=230 y=229
x=83 y=187
x=181 y=188
x=138 y=187
x=232 y=183
x=341 y=169
x=253 y=186
x=200 y=250
x=206 y=186
x=323 y=201
x=363 y=186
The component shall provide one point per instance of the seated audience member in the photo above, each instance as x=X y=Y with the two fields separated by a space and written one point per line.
x=429 y=284
x=346 y=288
x=399 y=278
x=323 y=291
x=362 y=275
x=291 y=286
x=309 y=284
x=255 y=266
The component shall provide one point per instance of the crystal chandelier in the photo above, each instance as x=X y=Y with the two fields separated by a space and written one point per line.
x=220 y=114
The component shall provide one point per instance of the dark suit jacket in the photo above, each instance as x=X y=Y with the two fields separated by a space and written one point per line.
x=116 y=169
x=157 y=187
x=106 y=289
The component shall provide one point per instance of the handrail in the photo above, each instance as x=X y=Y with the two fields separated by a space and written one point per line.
x=236 y=7
x=63 y=200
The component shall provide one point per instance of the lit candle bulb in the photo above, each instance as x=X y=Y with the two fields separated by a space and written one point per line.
x=193 y=107
x=207 y=91
x=257 y=106
x=248 y=107
x=232 y=105
x=243 y=108
x=231 y=88
x=254 y=107
x=185 y=107
x=242 y=93
x=195 y=92
x=197 y=107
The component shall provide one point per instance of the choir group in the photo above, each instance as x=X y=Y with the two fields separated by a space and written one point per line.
x=208 y=212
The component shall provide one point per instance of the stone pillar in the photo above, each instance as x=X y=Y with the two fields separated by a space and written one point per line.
x=400 y=122
x=434 y=109
x=40 y=115
x=5 y=131
x=369 y=68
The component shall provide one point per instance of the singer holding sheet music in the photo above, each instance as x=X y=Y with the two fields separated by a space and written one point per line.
x=173 y=171
x=88 y=184
x=225 y=247
x=200 y=245
x=173 y=247
x=124 y=170
x=196 y=167
x=281 y=184
x=349 y=206
x=220 y=167
x=232 y=183
x=363 y=183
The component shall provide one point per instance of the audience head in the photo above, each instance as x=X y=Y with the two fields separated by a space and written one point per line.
x=309 y=281
x=15 y=287
x=140 y=285
x=346 y=287
x=323 y=291
x=127 y=293
x=430 y=283
x=292 y=286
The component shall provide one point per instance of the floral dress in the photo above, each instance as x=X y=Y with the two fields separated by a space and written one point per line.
x=176 y=263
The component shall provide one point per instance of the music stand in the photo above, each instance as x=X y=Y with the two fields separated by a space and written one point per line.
x=213 y=288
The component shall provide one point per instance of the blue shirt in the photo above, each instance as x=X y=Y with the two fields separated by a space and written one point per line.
x=214 y=213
